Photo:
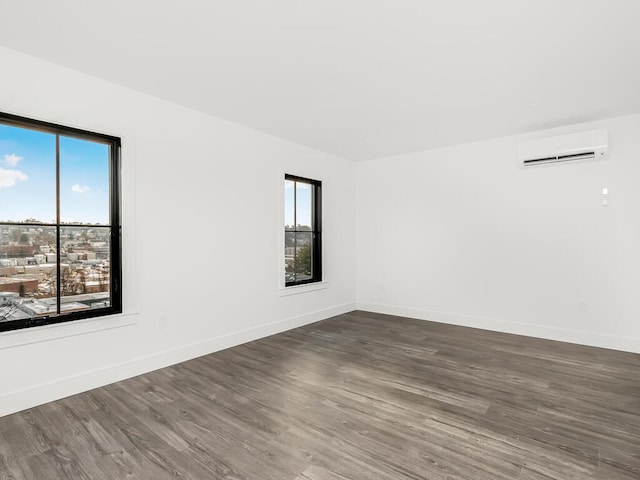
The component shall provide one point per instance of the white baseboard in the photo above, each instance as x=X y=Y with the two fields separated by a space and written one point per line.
x=591 y=339
x=39 y=394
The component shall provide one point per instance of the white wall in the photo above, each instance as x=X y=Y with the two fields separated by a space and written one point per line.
x=201 y=231
x=464 y=235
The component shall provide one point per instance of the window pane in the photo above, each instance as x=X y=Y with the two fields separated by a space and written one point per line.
x=302 y=261
x=28 y=278
x=289 y=256
x=85 y=269
x=84 y=182
x=298 y=256
x=289 y=222
x=27 y=175
x=303 y=206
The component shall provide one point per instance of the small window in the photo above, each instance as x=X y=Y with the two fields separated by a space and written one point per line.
x=59 y=224
x=302 y=230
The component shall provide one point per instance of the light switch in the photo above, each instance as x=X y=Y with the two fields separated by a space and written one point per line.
x=605 y=197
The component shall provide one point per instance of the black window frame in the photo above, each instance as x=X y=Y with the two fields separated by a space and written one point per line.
x=115 y=254
x=316 y=228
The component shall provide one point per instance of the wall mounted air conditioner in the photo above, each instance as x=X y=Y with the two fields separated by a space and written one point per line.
x=565 y=148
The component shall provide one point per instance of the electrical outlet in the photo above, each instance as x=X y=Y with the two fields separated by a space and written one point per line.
x=163 y=323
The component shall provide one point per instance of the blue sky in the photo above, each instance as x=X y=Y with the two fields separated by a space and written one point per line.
x=28 y=177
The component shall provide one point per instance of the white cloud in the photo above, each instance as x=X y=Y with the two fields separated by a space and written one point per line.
x=80 y=188
x=11 y=159
x=8 y=178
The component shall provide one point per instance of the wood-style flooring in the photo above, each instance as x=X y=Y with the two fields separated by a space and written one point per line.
x=358 y=396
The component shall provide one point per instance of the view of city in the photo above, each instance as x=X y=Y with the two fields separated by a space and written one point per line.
x=54 y=224
x=28 y=270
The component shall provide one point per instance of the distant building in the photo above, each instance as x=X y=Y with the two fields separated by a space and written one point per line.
x=15 y=251
x=7 y=298
x=13 y=284
x=8 y=271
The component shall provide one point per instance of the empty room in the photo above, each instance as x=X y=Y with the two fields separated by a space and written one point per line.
x=320 y=240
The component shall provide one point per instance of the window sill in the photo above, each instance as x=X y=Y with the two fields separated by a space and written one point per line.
x=26 y=336
x=297 y=289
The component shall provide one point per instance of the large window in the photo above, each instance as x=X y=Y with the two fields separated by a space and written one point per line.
x=59 y=224
x=302 y=230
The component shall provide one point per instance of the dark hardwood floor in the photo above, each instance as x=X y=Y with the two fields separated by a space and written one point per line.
x=359 y=396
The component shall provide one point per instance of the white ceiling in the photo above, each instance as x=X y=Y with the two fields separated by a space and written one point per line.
x=357 y=78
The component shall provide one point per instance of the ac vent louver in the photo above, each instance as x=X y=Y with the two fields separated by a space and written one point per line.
x=560 y=158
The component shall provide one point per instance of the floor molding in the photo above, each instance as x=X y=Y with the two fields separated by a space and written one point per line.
x=531 y=330
x=60 y=388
